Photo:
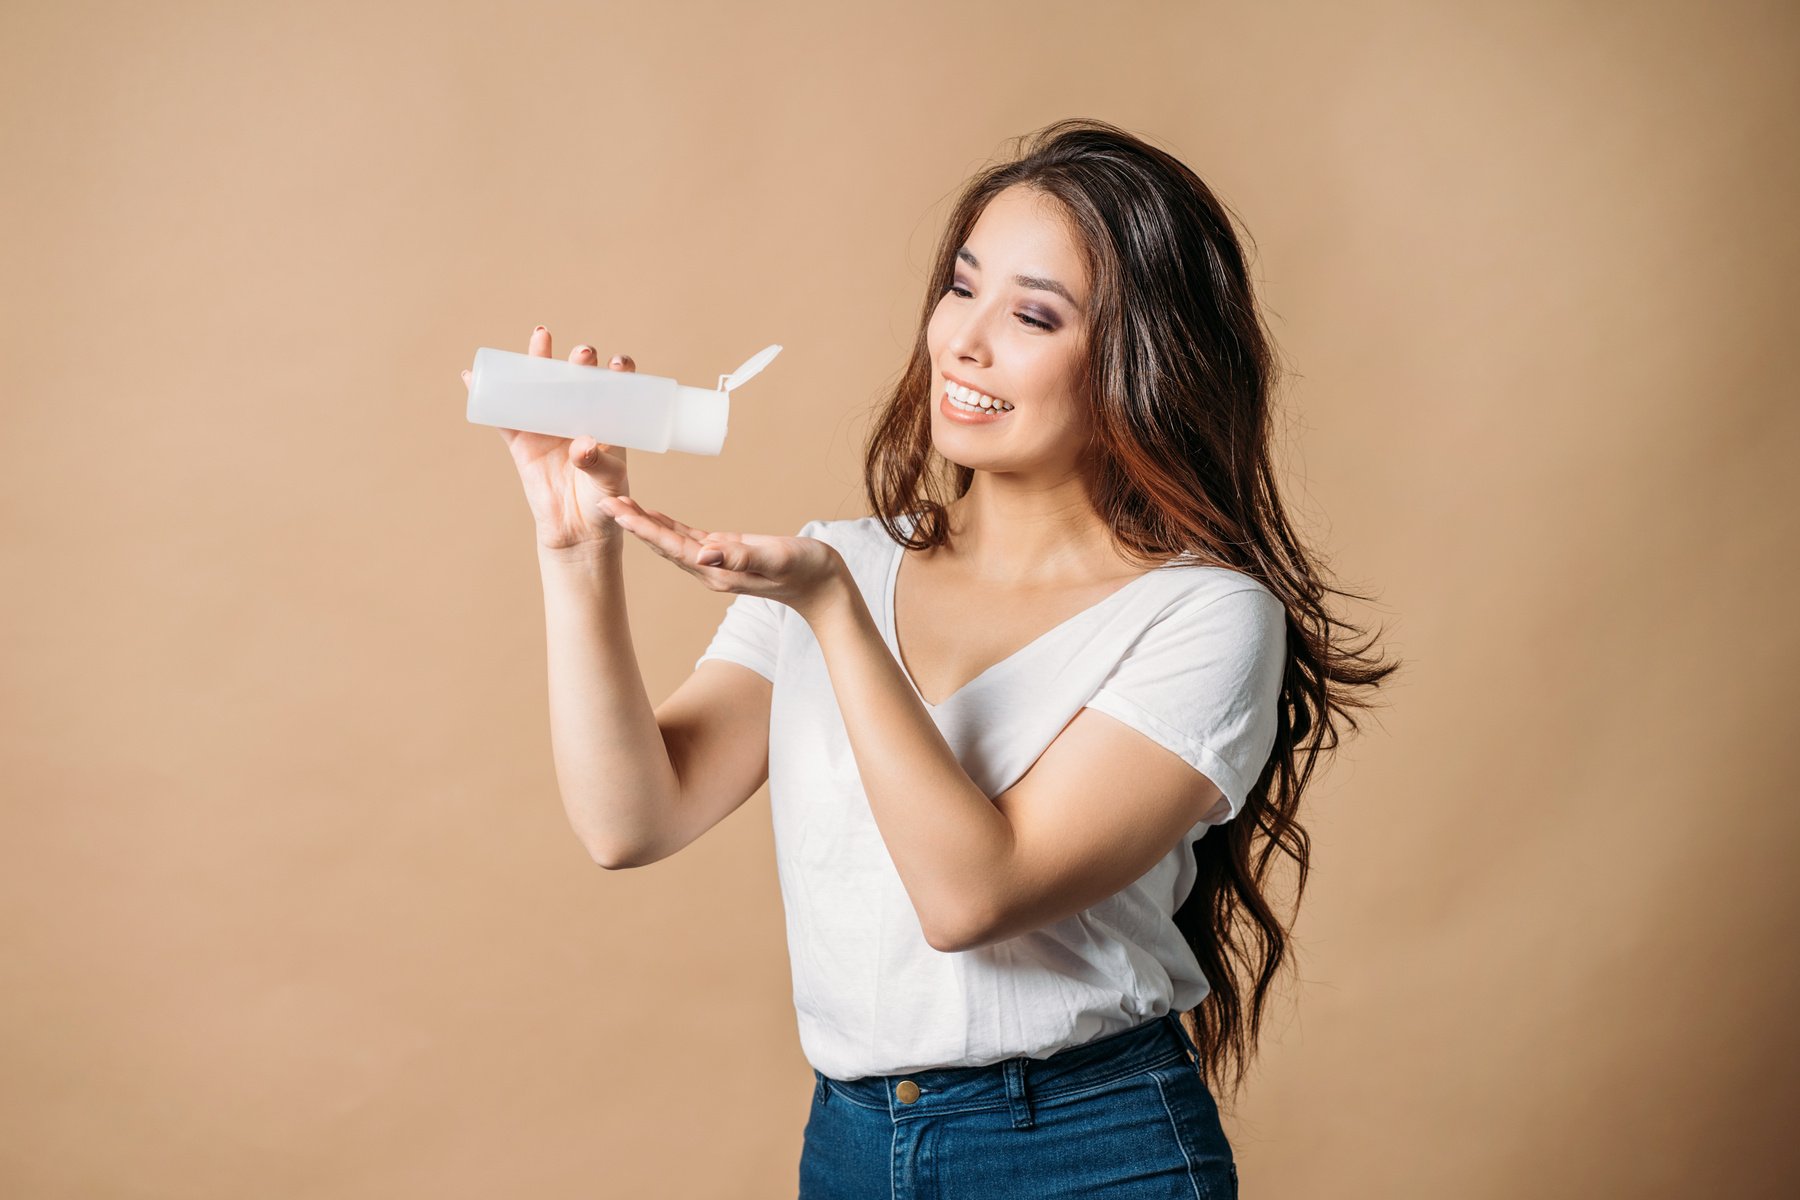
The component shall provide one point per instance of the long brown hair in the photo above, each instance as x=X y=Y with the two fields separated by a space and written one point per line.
x=1182 y=369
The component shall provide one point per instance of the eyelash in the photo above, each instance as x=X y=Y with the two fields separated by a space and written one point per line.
x=964 y=292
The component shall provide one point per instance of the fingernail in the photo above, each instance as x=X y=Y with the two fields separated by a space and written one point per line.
x=710 y=558
x=618 y=360
x=584 y=350
x=539 y=329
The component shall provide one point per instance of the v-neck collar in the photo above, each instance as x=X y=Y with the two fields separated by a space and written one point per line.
x=892 y=629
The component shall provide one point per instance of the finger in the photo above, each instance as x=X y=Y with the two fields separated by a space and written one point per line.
x=666 y=520
x=727 y=552
x=465 y=377
x=585 y=452
x=540 y=342
x=623 y=362
x=659 y=538
x=698 y=557
x=660 y=535
x=633 y=508
x=677 y=529
x=585 y=355
x=625 y=509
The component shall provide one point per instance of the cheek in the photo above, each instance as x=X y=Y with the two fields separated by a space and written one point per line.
x=1059 y=408
x=1053 y=386
x=934 y=330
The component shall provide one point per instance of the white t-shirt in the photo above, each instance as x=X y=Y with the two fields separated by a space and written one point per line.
x=1191 y=656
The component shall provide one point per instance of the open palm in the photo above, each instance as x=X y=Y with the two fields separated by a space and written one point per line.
x=797 y=571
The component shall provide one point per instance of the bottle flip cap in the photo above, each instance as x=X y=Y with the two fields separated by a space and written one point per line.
x=700 y=413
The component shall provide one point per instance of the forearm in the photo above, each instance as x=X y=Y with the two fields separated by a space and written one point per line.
x=612 y=765
x=945 y=836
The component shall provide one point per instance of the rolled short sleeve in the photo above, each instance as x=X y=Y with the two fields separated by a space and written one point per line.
x=1204 y=681
x=750 y=632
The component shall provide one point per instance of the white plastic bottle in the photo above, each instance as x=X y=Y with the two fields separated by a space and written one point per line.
x=510 y=390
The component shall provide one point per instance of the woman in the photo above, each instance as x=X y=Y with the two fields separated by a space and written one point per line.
x=1033 y=729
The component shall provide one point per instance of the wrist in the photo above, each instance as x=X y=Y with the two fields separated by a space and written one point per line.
x=835 y=601
x=586 y=555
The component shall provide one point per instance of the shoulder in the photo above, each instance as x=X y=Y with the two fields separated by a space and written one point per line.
x=1195 y=585
x=867 y=550
x=856 y=538
x=1198 y=600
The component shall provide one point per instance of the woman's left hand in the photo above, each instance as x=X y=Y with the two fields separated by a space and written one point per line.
x=800 y=572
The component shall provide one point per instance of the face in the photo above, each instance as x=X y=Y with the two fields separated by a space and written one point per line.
x=1003 y=329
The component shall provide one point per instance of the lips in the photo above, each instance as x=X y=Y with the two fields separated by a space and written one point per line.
x=954 y=412
x=949 y=378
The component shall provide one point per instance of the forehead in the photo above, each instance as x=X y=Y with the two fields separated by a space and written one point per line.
x=1022 y=231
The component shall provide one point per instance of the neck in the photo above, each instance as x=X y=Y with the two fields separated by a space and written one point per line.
x=1008 y=532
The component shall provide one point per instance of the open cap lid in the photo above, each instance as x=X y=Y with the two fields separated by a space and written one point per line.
x=752 y=365
x=700 y=413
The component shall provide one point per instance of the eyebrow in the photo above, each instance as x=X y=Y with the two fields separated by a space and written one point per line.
x=1036 y=282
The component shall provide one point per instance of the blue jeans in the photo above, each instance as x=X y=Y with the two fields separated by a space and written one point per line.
x=1124 y=1116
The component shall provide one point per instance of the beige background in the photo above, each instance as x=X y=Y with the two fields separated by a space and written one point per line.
x=289 y=903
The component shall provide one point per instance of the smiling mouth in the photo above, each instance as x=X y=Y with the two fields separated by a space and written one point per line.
x=971 y=401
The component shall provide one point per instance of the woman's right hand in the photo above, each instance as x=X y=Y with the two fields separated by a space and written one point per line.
x=565 y=478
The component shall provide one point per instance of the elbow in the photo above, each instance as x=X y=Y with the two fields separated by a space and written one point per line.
x=956 y=935
x=613 y=858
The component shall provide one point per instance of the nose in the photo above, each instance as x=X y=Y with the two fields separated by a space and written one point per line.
x=969 y=336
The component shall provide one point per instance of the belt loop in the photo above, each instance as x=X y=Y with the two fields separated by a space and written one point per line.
x=1174 y=1018
x=1018 y=1097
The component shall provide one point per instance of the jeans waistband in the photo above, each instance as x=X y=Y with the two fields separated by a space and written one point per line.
x=1016 y=1082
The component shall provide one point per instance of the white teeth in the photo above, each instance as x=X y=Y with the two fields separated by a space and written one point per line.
x=973 y=400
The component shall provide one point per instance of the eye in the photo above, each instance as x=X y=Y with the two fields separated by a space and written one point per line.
x=964 y=293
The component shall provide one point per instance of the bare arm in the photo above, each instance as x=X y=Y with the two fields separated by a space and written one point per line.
x=611 y=763
x=620 y=765
x=639 y=783
x=943 y=833
x=1058 y=841
x=945 y=836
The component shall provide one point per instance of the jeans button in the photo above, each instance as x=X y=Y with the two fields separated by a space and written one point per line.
x=907 y=1091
